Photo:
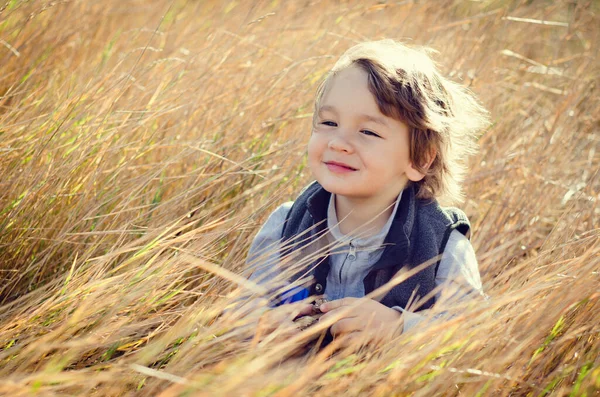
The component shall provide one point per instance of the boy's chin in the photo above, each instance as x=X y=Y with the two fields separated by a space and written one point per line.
x=352 y=192
x=339 y=187
x=339 y=190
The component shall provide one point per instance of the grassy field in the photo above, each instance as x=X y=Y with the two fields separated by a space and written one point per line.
x=143 y=143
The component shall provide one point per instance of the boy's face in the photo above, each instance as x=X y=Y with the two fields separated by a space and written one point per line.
x=355 y=151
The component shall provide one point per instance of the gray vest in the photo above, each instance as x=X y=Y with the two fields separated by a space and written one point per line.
x=419 y=233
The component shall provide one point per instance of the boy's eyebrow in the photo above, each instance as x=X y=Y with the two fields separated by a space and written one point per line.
x=327 y=108
x=375 y=119
x=368 y=117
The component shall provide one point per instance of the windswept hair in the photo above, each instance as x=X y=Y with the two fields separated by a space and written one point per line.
x=444 y=118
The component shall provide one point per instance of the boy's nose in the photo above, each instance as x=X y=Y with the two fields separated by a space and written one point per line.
x=340 y=144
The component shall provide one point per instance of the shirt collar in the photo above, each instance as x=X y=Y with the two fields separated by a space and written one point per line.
x=374 y=241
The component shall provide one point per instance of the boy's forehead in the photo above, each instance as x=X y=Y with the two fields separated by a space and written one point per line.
x=351 y=82
x=353 y=73
x=349 y=90
x=347 y=84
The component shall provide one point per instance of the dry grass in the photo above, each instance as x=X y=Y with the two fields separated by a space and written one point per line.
x=143 y=143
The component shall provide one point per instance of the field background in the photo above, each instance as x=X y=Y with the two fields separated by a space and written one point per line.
x=142 y=144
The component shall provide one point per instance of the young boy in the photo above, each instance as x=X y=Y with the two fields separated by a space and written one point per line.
x=390 y=136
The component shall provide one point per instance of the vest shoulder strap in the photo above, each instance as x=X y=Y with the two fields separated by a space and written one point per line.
x=296 y=214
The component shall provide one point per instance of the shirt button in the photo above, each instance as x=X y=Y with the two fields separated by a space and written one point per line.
x=318 y=288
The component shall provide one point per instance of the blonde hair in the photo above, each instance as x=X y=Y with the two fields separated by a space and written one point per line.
x=443 y=117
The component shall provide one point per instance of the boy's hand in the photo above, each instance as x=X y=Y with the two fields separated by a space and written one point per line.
x=362 y=319
x=281 y=318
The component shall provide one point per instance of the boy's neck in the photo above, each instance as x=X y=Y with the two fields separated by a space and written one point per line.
x=363 y=217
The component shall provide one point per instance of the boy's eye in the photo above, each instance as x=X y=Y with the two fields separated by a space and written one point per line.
x=329 y=123
x=370 y=133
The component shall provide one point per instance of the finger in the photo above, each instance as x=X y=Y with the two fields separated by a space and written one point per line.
x=346 y=326
x=274 y=317
x=336 y=304
x=337 y=315
x=304 y=310
x=290 y=311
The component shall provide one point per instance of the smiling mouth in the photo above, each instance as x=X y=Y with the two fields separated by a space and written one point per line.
x=339 y=166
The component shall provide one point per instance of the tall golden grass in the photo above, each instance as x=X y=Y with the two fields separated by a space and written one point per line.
x=142 y=144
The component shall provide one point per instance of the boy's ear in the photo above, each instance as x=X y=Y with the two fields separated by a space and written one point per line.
x=415 y=175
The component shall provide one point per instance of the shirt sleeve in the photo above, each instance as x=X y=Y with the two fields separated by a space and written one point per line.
x=263 y=255
x=262 y=260
x=457 y=277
